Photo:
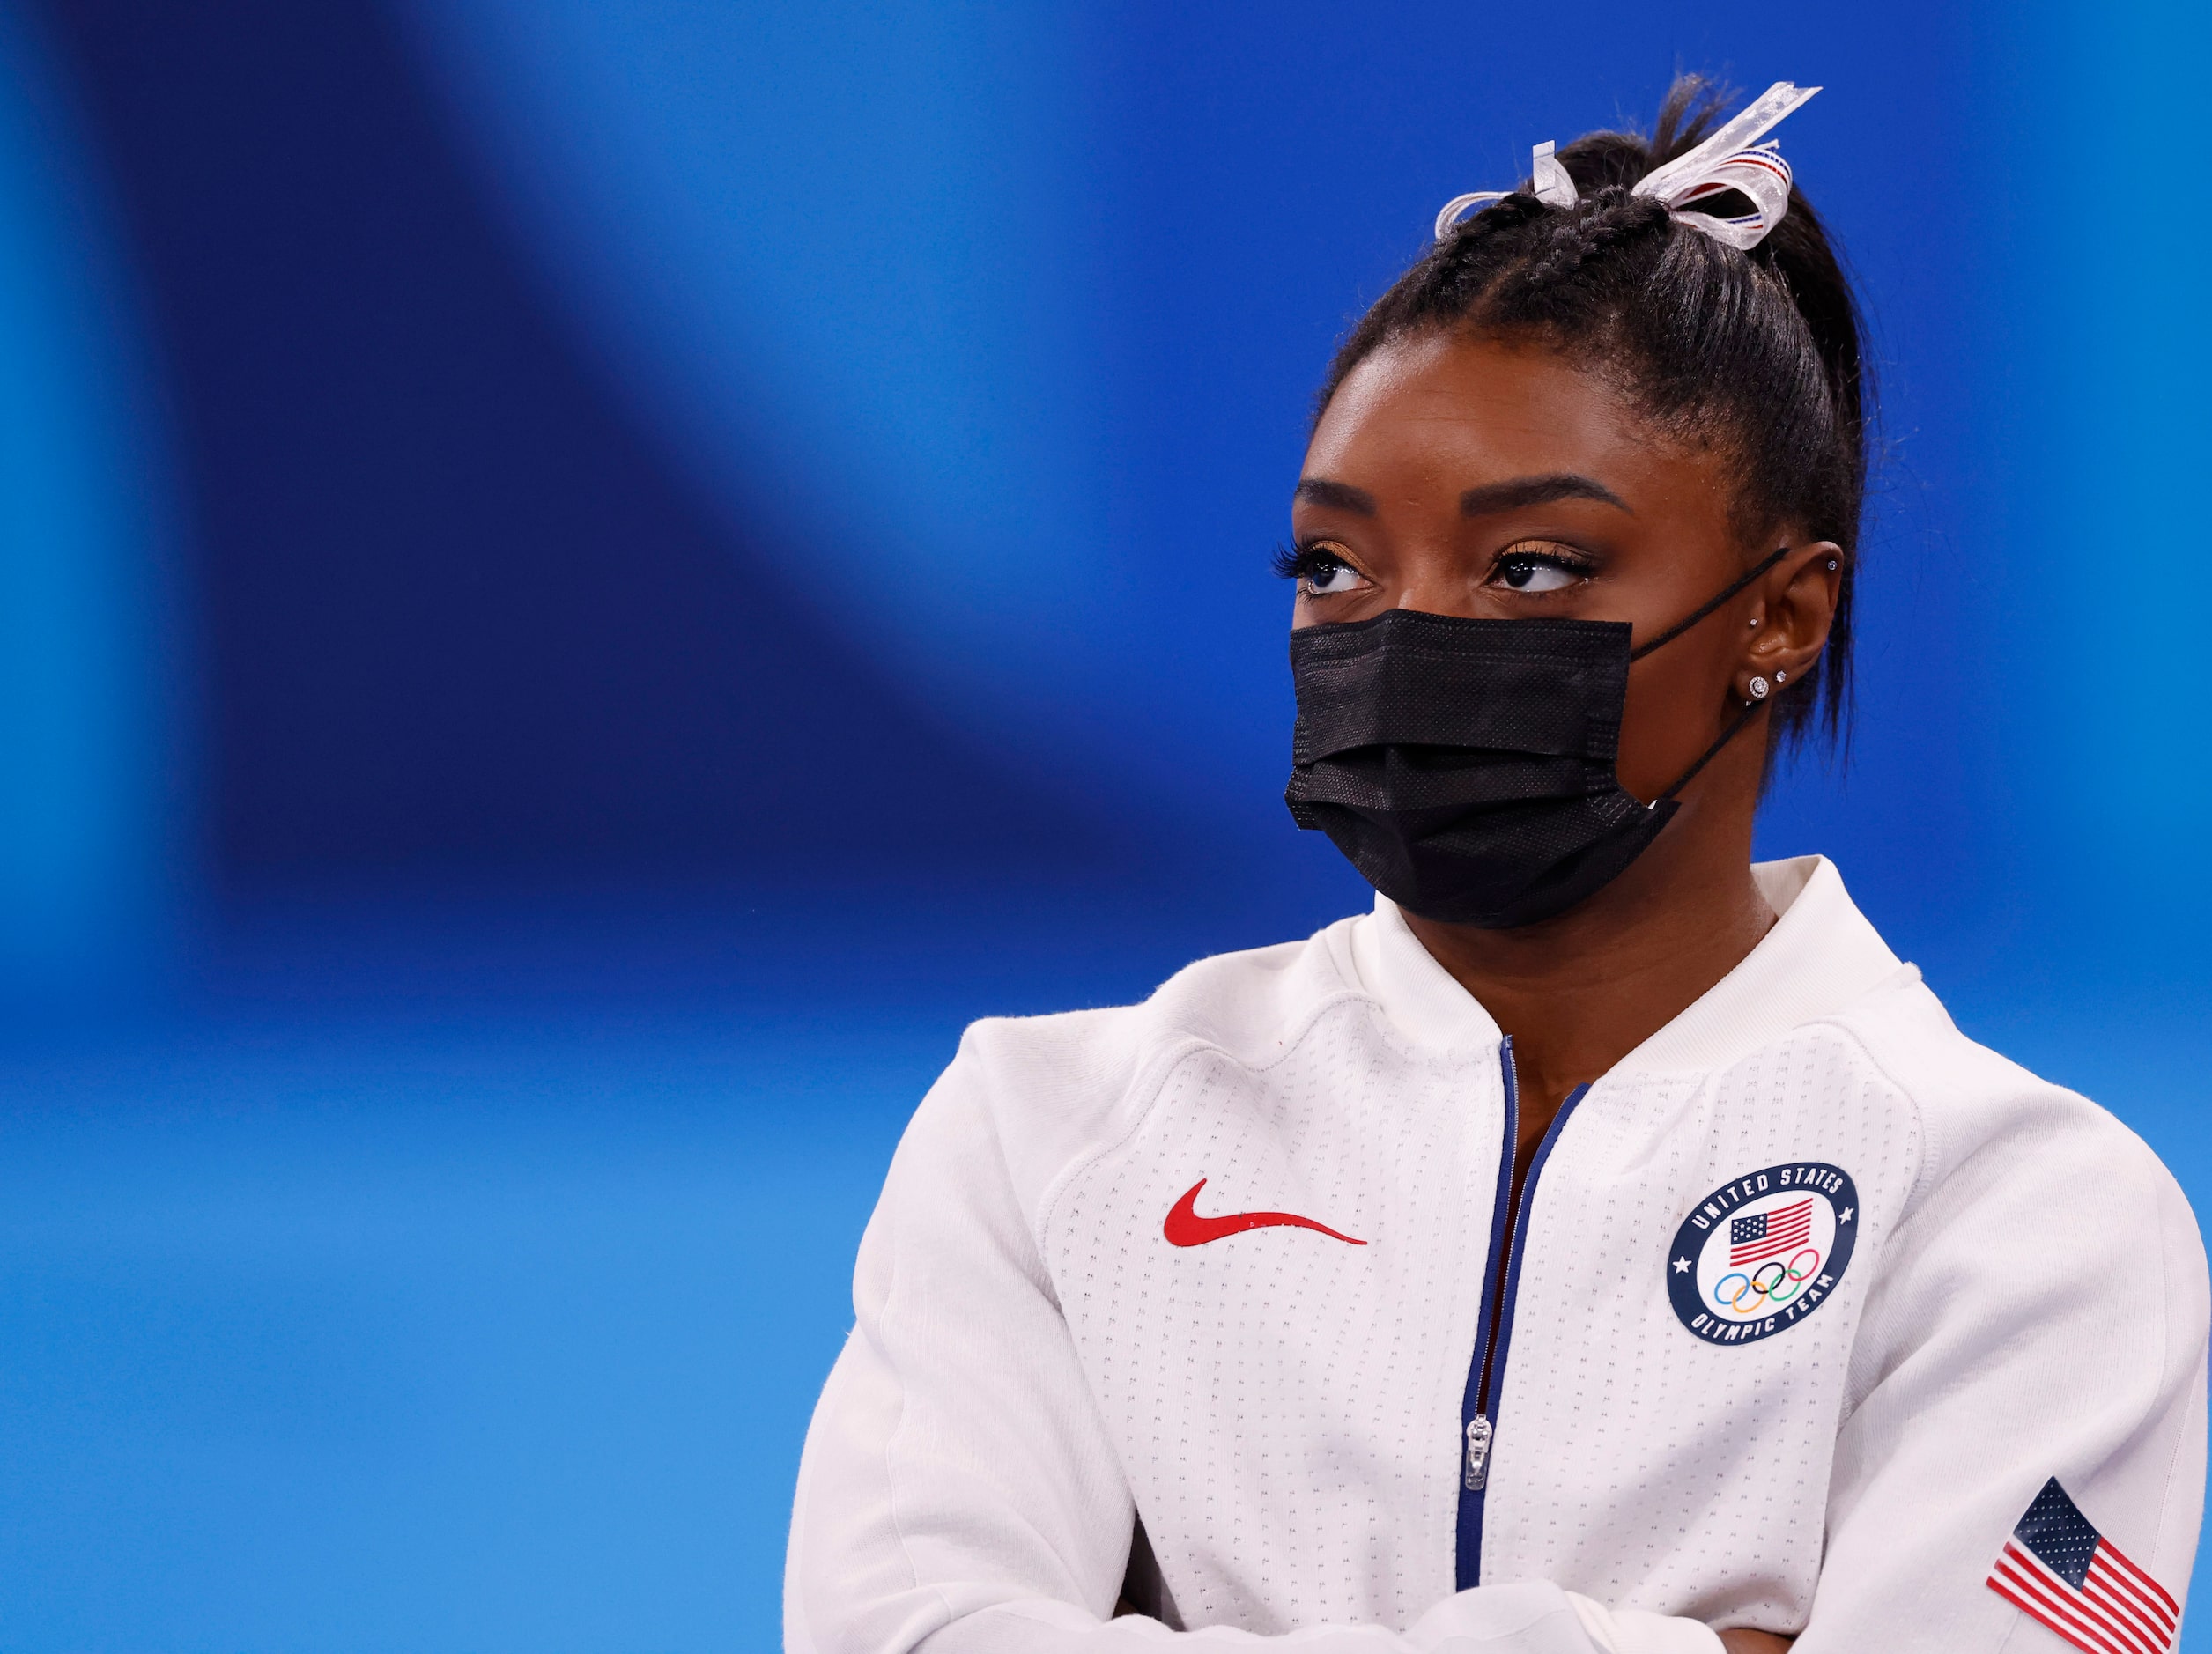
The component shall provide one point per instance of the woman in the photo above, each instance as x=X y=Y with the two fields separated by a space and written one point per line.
x=1605 y=1243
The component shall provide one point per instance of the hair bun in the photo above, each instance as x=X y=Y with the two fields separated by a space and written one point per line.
x=1756 y=350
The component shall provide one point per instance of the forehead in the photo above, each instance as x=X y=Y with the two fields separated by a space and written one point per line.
x=1459 y=409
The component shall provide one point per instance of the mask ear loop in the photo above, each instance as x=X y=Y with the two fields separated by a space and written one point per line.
x=1712 y=752
x=1697 y=615
x=1742 y=719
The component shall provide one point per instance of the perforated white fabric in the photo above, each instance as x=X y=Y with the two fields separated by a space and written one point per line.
x=1740 y=1436
x=1336 y=1370
x=1037 y=1363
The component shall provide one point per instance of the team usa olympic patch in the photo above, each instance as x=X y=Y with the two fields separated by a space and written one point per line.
x=1763 y=1251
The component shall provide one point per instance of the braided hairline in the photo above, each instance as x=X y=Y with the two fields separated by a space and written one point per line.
x=1514 y=269
x=1570 y=276
x=1610 y=221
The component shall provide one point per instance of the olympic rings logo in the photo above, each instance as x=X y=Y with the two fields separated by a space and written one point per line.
x=1759 y=1290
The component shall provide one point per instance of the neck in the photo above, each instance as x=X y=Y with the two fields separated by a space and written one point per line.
x=1580 y=992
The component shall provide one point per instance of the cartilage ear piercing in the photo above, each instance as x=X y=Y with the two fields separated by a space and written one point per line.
x=1781 y=677
x=1755 y=620
x=1757 y=686
x=1833 y=564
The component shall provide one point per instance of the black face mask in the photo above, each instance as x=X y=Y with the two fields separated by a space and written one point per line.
x=1466 y=766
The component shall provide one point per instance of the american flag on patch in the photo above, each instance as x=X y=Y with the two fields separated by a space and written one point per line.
x=2059 y=1569
x=1782 y=1229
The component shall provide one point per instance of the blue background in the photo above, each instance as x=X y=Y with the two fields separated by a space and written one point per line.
x=581 y=584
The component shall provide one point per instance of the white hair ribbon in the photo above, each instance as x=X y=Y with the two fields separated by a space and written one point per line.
x=1457 y=208
x=1554 y=187
x=1725 y=161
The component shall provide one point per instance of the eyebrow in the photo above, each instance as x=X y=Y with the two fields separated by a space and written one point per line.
x=1519 y=492
x=1319 y=491
x=1512 y=495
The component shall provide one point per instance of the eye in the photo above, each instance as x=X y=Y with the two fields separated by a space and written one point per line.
x=1539 y=566
x=1319 y=571
x=1326 y=576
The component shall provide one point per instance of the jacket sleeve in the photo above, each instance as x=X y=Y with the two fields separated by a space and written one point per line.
x=958 y=1493
x=2040 y=1313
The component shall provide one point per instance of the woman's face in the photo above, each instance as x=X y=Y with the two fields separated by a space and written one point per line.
x=1462 y=476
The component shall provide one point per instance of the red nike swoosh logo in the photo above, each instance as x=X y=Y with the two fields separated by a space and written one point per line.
x=1185 y=1227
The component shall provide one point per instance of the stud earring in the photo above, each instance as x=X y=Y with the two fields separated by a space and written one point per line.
x=1757 y=686
x=1833 y=564
x=1755 y=622
x=1780 y=677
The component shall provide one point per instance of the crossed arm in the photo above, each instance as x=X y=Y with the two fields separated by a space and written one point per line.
x=941 y=1501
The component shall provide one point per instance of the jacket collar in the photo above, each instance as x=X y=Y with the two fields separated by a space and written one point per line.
x=1821 y=955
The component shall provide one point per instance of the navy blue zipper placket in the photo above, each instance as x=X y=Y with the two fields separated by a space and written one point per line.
x=1485 y=1376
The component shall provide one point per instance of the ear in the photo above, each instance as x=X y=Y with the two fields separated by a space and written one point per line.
x=1795 y=606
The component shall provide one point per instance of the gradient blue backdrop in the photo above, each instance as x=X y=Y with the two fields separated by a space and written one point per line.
x=581 y=584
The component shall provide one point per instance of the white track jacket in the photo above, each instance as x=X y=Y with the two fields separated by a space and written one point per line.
x=1810 y=1304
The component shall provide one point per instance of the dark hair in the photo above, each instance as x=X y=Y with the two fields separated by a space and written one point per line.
x=1756 y=355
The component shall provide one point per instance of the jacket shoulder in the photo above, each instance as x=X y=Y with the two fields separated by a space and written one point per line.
x=1055 y=1087
x=1985 y=1116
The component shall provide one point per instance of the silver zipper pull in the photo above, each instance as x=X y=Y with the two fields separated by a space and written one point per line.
x=1479 y=1431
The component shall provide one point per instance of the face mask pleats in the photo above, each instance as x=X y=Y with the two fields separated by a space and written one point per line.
x=1465 y=767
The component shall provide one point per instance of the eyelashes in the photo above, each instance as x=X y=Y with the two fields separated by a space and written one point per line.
x=1529 y=566
x=1542 y=567
x=1304 y=559
x=1320 y=570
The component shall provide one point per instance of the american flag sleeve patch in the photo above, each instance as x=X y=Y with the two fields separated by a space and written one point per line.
x=2060 y=1570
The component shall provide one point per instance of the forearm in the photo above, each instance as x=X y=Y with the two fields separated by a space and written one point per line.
x=1748 y=1642
x=1533 y=1618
